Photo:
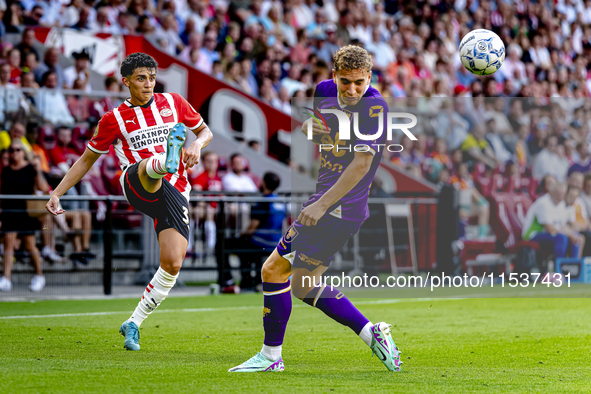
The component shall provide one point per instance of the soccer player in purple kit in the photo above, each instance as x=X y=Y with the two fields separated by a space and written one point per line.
x=330 y=217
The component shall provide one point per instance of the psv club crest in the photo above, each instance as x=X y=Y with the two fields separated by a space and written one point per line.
x=165 y=112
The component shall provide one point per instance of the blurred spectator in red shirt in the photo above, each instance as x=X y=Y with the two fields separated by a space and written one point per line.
x=14 y=59
x=440 y=154
x=79 y=106
x=300 y=52
x=81 y=135
x=47 y=139
x=403 y=62
x=107 y=103
x=63 y=155
x=208 y=180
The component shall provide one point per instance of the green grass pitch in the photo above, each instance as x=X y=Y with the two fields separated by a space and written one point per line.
x=456 y=346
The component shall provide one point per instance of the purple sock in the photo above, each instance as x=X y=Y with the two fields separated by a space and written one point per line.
x=276 y=311
x=336 y=306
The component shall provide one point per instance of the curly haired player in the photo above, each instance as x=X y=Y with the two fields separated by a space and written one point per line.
x=330 y=217
x=148 y=133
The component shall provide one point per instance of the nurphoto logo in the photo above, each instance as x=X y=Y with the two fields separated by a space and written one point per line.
x=344 y=129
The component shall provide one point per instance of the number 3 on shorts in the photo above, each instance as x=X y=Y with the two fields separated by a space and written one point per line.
x=186 y=213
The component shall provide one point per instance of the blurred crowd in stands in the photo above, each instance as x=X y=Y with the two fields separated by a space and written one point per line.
x=277 y=49
x=42 y=100
x=487 y=140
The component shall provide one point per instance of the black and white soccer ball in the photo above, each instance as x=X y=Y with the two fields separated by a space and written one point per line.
x=482 y=52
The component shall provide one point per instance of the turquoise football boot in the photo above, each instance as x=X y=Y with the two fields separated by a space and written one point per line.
x=131 y=332
x=174 y=147
x=259 y=363
x=383 y=346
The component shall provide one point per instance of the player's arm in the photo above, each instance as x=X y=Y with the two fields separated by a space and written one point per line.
x=73 y=176
x=193 y=153
x=193 y=120
x=347 y=181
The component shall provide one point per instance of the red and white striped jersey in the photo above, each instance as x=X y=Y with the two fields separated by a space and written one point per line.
x=139 y=132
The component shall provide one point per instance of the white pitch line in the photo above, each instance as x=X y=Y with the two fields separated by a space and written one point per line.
x=197 y=310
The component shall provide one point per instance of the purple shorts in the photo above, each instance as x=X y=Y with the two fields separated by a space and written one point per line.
x=312 y=246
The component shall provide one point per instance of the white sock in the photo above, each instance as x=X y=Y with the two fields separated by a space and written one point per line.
x=156 y=166
x=155 y=293
x=272 y=352
x=365 y=333
x=210 y=233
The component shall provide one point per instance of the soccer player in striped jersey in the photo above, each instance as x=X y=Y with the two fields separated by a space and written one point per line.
x=148 y=133
x=331 y=216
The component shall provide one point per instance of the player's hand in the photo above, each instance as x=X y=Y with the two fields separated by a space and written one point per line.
x=312 y=214
x=192 y=155
x=53 y=206
x=317 y=129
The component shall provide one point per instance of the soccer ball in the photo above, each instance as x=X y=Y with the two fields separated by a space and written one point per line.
x=482 y=52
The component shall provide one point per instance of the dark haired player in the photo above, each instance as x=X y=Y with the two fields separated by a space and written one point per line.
x=148 y=132
x=330 y=217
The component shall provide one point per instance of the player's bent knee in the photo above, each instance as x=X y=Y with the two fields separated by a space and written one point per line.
x=268 y=272
x=171 y=264
x=171 y=267
x=276 y=269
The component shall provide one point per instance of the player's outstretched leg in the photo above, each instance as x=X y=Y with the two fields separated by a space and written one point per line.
x=174 y=147
x=276 y=312
x=337 y=306
x=172 y=252
x=162 y=164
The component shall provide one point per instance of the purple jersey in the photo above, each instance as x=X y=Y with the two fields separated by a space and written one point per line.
x=353 y=206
